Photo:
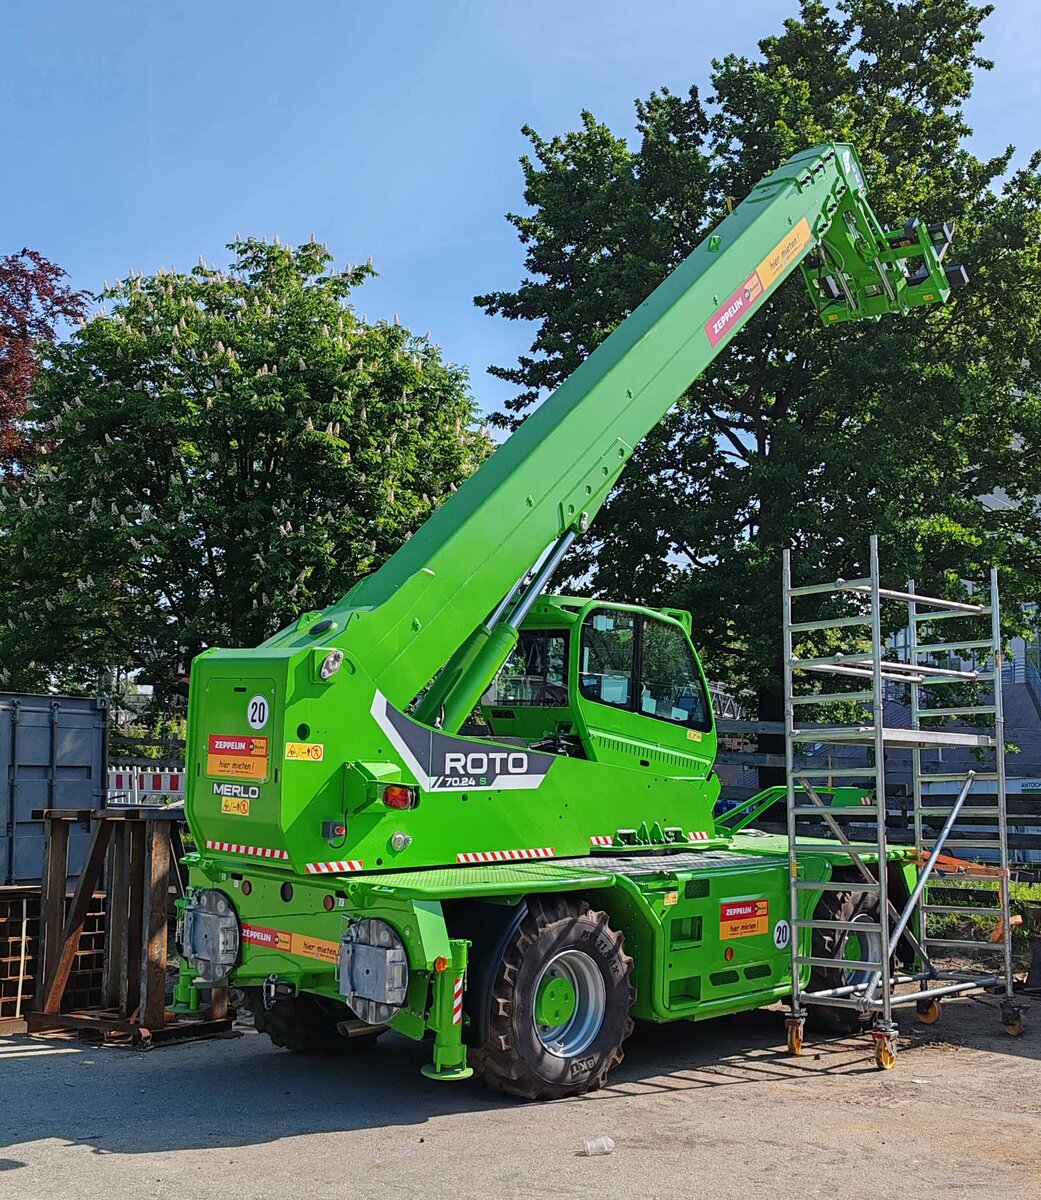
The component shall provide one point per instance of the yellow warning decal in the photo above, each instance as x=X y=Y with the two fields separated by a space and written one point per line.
x=305 y=751
x=236 y=806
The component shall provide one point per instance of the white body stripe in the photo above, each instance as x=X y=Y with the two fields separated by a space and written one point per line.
x=253 y=851
x=489 y=856
x=334 y=868
x=505 y=782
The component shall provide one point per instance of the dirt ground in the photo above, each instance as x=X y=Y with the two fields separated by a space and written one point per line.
x=711 y=1110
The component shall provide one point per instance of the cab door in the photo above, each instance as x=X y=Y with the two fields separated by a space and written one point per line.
x=639 y=692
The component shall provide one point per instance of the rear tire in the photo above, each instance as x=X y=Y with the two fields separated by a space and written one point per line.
x=838 y=944
x=306 y=1024
x=558 y=1003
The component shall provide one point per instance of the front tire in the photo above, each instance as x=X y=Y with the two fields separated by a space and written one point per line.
x=558 y=1003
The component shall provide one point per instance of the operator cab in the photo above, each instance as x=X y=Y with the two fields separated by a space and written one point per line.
x=610 y=682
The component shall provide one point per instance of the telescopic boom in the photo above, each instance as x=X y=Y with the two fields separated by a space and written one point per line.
x=451 y=595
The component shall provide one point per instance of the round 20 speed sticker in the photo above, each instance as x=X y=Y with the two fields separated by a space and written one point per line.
x=257 y=712
x=782 y=934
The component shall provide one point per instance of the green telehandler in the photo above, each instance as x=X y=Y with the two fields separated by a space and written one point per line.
x=363 y=865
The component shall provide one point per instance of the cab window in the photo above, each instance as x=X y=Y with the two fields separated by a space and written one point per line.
x=642 y=665
x=608 y=658
x=670 y=683
x=535 y=674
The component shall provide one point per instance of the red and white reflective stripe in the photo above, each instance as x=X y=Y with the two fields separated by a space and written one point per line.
x=699 y=836
x=487 y=856
x=254 y=851
x=136 y=781
x=457 y=1001
x=602 y=840
x=333 y=868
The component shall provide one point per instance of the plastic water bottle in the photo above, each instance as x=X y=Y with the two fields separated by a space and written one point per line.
x=591 y=1147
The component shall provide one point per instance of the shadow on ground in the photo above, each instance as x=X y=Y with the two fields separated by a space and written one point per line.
x=242 y=1091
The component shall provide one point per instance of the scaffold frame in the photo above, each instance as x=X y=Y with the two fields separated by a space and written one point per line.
x=871 y=977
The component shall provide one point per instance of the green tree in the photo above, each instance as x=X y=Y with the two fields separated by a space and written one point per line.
x=219 y=452
x=800 y=436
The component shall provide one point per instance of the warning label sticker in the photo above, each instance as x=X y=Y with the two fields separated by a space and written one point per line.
x=293 y=943
x=237 y=757
x=743 y=918
x=305 y=751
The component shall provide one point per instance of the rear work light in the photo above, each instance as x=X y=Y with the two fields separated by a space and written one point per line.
x=399 y=796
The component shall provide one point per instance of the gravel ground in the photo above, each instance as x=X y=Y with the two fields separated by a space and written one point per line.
x=716 y=1110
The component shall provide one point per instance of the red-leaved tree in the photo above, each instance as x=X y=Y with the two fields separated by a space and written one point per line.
x=33 y=300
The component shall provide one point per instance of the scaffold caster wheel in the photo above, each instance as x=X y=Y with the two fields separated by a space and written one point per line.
x=928 y=1011
x=885 y=1051
x=1012 y=1020
x=795 y=1029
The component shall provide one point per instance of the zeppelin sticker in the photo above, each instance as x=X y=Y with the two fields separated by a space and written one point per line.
x=236 y=757
x=743 y=918
x=305 y=751
x=732 y=312
x=266 y=939
x=293 y=943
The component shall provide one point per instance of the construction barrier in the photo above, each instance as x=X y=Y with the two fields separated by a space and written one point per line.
x=131 y=784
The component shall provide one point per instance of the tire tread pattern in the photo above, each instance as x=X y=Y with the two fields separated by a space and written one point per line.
x=496 y=1062
x=829 y=943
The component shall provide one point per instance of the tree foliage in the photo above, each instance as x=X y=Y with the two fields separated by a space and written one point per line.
x=219 y=452
x=797 y=435
x=33 y=302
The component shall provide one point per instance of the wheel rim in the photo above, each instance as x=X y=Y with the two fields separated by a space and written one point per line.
x=571 y=991
x=862 y=946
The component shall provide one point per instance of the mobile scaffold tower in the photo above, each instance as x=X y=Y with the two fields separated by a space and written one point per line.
x=970 y=664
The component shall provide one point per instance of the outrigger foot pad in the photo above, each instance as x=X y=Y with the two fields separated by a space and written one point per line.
x=446 y=1073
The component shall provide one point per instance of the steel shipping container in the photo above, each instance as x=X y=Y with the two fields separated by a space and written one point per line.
x=53 y=753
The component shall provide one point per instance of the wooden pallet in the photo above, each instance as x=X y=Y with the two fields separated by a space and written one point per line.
x=138 y=848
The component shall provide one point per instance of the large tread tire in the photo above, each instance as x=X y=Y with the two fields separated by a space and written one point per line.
x=513 y=1059
x=831 y=943
x=306 y=1024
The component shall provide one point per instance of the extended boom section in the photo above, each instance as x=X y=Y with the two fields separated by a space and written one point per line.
x=556 y=471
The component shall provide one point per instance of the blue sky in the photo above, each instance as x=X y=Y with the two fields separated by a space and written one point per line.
x=140 y=134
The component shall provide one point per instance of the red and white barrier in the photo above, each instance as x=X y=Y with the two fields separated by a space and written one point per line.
x=145 y=785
